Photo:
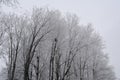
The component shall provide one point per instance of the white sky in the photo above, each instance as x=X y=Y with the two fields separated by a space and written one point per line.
x=103 y=14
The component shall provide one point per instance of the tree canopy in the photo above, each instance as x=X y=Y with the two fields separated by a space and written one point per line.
x=50 y=46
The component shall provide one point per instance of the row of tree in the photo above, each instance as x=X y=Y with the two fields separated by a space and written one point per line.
x=49 y=46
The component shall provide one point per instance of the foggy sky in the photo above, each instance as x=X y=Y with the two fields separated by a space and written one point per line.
x=103 y=14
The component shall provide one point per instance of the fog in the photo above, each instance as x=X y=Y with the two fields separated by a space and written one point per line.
x=104 y=15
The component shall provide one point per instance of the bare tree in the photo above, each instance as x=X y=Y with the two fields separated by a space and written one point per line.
x=13 y=35
x=47 y=45
x=38 y=30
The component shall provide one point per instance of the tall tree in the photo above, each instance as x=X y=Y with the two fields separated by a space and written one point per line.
x=47 y=45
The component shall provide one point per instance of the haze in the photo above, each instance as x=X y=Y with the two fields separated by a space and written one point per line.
x=103 y=14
